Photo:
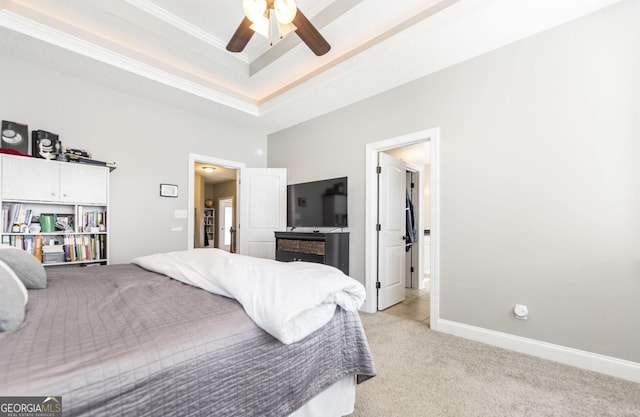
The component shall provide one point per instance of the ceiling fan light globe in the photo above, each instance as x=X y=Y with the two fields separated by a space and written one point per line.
x=261 y=26
x=285 y=11
x=254 y=9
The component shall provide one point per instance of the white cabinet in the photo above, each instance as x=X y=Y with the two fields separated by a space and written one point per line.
x=84 y=184
x=33 y=179
x=74 y=195
x=30 y=179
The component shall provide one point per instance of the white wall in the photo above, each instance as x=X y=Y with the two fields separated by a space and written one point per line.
x=540 y=181
x=149 y=141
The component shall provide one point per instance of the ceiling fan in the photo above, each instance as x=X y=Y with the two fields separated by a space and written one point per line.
x=288 y=18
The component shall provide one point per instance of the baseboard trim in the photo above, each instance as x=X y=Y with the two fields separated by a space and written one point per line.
x=608 y=365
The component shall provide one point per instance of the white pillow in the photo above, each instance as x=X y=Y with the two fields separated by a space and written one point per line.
x=26 y=267
x=13 y=299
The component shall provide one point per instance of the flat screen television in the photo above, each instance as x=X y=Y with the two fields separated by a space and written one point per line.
x=317 y=203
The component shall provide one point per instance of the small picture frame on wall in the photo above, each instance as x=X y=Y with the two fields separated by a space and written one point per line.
x=168 y=190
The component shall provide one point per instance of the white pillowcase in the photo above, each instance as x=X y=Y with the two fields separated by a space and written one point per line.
x=26 y=267
x=13 y=299
x=12 y=275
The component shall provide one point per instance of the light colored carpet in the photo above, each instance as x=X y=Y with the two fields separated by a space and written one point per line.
x=423 y=373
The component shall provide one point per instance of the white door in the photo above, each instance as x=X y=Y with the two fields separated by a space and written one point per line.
x=391 y=236
x=263 y=210
x=225 y=208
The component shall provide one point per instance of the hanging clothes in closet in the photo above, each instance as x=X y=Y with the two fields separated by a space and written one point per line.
x=412 y=233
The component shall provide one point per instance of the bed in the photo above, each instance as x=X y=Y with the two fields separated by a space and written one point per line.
x=121 y=340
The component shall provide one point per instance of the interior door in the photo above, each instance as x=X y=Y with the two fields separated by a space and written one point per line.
x=263 y=210
x=392 y=230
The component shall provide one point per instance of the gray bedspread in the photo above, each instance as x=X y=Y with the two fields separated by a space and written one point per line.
x=122 y=341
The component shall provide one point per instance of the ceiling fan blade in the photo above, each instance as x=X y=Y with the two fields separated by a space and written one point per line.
x=241 y=37
x=310 y=35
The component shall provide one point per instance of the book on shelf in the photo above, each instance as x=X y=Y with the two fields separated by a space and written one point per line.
x=70 y=251
x=37 y=247
x=16 y=214
x=67 y=249
x=5 y=220
x=81 y=248
x=22 y=215
x=29 y=244
x=95 y=247
x=28 y=218
x=86 y=247
x=91 y=220
x=77 y=248
x=14 y=209
x=13 y=212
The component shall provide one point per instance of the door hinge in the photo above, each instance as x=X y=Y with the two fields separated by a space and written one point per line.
x=378 y=227
x=378 y=170
x=377 y=284
x=413 y=185
x=411 y=269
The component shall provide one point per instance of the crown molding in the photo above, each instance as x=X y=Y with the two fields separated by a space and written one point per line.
x=184 y=26
x=58 y=38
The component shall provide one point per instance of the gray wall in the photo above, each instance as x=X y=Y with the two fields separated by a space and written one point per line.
x=540 y=193
x=149 y=141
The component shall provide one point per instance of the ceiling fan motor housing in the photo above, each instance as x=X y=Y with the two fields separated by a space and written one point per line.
x=287 y=14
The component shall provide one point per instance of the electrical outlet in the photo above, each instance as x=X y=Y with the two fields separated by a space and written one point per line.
x=521 y=311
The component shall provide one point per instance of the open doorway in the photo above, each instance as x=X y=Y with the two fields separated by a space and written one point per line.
x=210 y=181
x=417 y=158
x=214 y=202
x=431 y=204
x=259 y=202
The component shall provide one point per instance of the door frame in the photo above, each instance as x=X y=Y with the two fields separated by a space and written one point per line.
x=418 y=205
x=193 y=158
x=371 y=199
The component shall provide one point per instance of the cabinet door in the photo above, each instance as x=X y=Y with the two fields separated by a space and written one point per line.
x=30 y=179
x=83 y=183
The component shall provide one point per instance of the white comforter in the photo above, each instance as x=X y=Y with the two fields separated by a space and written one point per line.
x=288 y=300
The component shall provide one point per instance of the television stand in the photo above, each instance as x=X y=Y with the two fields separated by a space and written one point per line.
x=325 y=248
